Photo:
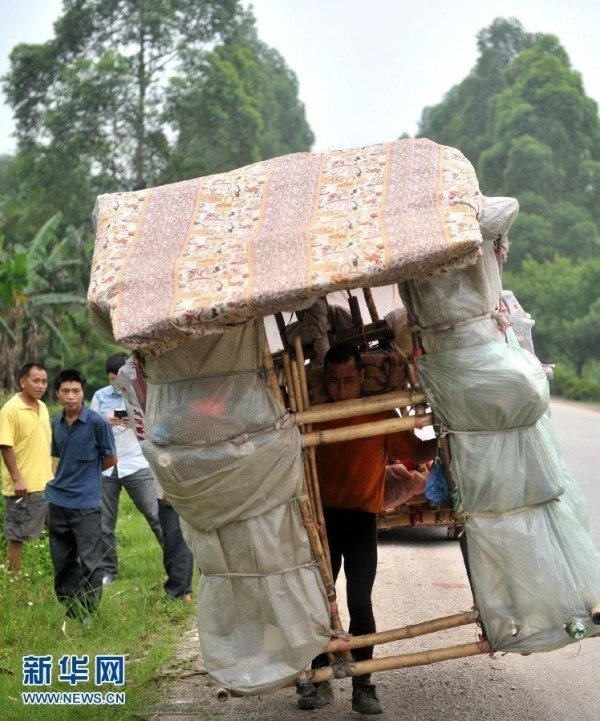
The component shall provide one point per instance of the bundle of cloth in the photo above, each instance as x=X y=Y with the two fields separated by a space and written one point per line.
x=534 y=568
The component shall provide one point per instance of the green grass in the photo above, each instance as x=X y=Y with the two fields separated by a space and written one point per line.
x=133 y=619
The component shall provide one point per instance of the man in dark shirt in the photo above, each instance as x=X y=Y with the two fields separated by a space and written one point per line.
x=83 y=443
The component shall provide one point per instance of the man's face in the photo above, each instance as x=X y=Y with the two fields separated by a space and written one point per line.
x=344 y=380
x=70 y=395
x=111 y=376
x=34 y=384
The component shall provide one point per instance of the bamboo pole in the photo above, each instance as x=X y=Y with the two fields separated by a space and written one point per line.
x=400 y=634
x=370 y=301
x=595 y=615
x=365 y=430
x=310 y=465
x=270 y=366
x=359 y=406
x=311 y=482
x=421 y=658
x=289 y=381
x=301 y=372
x=296 y=385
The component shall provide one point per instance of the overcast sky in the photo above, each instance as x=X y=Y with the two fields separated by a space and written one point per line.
x=367 y=68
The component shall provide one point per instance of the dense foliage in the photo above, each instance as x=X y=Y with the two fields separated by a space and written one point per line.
x=127 y=93
x=523 y=119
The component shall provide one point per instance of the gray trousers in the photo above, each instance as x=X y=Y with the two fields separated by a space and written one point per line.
x=75 y=540
x=177 y=557
x=140 y=488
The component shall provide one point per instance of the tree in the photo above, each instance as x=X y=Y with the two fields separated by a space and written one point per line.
x=537 y=137
x=235 y=105
x=90 y=101
x=466 y=117
x=564 y=298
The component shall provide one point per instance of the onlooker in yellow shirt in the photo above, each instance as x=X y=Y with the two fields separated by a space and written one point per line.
x=25 y=446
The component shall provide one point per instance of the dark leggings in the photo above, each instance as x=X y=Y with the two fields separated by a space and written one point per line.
x=352 y=536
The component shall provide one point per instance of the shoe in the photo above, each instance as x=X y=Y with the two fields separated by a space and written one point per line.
x=315 y=696
x=107 y=580
x=187 y=598
x=365 y=701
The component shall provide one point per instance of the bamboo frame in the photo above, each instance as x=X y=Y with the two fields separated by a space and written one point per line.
x=400 y=634
x=359 y=406
x=311 y=510
x=595 y=615
x=365 y=430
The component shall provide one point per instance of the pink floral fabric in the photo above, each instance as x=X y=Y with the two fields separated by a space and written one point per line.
x=199 y=256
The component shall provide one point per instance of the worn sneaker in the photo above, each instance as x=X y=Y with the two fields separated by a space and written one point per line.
x=108 y=580
x=365 y=701
x=315 y=696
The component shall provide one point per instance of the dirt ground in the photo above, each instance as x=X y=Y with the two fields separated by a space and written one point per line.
x=420 y=576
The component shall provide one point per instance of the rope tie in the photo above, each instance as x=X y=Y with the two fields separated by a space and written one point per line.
x=496 y=315
x=464 y=515
x=281 y=424
x=443 y=431
x=311 y=564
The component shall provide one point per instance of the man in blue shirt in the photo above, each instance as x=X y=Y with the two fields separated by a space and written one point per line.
x=83 y=443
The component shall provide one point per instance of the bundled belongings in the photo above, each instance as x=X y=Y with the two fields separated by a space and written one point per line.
x=185 y=273
x=533 y=565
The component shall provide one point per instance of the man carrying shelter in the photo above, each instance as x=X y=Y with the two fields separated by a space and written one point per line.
x=351 y=478
x=83 y=443
x=131 y=472
x=27 y=467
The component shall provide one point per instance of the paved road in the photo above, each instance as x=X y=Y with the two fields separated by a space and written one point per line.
x=422 y=576
x=578 y=428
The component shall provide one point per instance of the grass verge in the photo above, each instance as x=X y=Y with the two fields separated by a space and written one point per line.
x=133 y=620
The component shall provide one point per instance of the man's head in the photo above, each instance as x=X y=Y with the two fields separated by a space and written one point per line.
x=344 y=372
x=113 y=365
x=69 y=386
x=33 y=381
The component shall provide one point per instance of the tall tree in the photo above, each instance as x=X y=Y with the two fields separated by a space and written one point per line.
x=90 y=101
x=536 y=136
x=235 y=105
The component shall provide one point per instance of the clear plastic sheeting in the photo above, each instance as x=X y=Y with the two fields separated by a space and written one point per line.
x=260 y=625
x=452 y=298
x=229 y=459
x=492 y=386
x=533 y=565
x=533 y=572
x=504 y=471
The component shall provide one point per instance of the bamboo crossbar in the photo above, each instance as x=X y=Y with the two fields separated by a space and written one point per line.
x=400 y=634
x=365 y=430
x=359 y=406
x=420 y=658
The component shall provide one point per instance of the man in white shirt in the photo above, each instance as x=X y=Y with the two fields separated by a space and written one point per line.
x=131 y=472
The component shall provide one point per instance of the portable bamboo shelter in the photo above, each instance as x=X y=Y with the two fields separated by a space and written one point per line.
x=184 y=274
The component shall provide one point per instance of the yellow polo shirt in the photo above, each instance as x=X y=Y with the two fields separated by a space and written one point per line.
x=29 y=435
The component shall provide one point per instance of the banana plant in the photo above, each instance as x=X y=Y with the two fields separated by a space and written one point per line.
x=40 y=287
